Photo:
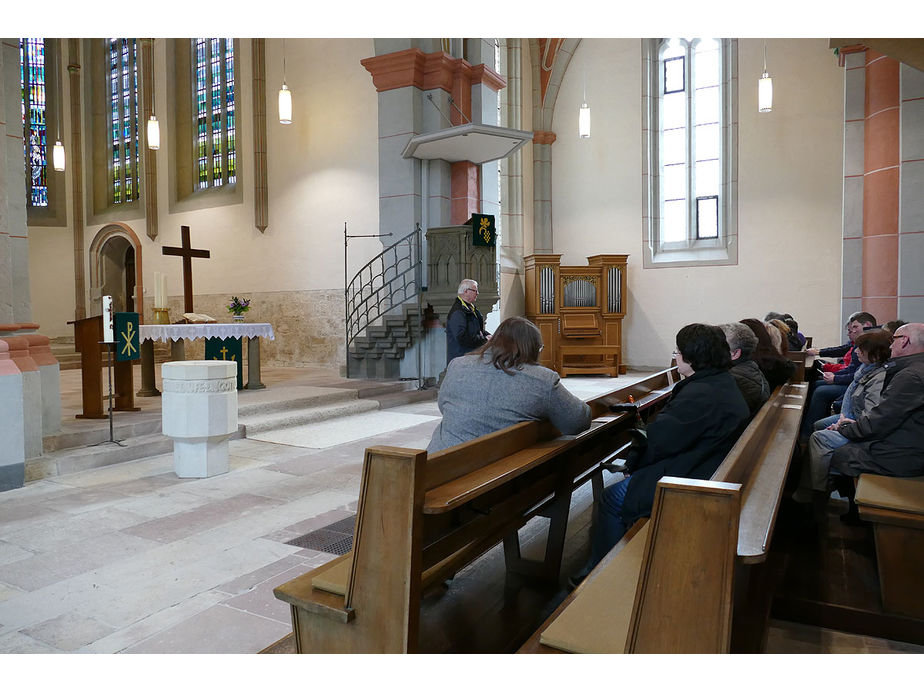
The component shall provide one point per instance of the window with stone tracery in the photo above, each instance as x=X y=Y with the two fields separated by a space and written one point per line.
x=690 y=102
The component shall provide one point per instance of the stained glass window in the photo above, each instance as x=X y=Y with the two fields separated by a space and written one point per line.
x=32 y=81
x=123 y=119
x=216 y=153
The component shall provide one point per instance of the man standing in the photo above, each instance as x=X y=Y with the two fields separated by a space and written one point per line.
x=889 y=438
x=465 y=323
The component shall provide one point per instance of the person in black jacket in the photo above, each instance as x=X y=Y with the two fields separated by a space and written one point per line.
x=750 y=379
x=689 y=437
x=465 y=323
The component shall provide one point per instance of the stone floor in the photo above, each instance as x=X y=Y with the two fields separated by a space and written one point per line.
x=129 y=558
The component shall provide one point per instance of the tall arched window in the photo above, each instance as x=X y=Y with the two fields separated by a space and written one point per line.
x=123 y=120
x=34 y=122
x=691 y=204
x=215 y=127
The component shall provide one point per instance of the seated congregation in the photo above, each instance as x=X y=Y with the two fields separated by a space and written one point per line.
x=513 y=444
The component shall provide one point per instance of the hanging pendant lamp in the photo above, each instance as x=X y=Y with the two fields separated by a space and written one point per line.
x=285 y=96
x=765 y=89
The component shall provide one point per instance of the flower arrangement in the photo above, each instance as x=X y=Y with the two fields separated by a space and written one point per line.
x=239 y=306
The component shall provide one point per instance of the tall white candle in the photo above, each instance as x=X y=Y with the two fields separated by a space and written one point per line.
x=163 y=290
x=159 y=294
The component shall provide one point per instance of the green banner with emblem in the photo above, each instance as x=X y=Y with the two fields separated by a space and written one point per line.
x=218 y=349
x=128 y=345
x=483 y=231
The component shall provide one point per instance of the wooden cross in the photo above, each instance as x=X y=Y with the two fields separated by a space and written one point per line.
x=187 y=253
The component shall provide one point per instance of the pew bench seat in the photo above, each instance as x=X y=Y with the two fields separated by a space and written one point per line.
x=670 y=584
x=895 y=507
x=421 y=518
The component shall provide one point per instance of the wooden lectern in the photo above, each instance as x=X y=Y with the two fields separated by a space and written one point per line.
x=88 y=335
x=579 y=311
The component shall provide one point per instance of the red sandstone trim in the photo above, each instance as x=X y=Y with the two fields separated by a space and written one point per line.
x=19 y=352
x=482 y=74
x=414 y=68
x=844 y=50
x=40 y=350
x=543 y=137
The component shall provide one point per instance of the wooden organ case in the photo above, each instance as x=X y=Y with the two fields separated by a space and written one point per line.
x=579 y=311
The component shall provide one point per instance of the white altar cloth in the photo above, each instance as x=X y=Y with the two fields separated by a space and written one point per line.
x=167 y=333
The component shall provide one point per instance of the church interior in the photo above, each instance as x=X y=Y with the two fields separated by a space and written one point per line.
x=810 y=205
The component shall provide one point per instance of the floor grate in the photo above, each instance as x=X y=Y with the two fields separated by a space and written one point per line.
x=336 y=538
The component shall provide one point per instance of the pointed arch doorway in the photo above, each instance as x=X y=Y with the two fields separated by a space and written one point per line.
x=115 y=269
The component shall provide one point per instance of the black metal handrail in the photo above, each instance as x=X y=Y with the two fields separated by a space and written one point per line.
x=391 y=278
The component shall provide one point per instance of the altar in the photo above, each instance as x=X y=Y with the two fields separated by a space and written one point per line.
x=175 y=334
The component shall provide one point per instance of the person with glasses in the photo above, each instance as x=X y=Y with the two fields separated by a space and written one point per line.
x=688 y=438
x=864 y=393
x=889 y=438
x=464 y=323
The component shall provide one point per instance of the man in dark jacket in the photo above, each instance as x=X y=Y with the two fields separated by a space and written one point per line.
x=889 y=438
x=750 y=379
x=689 y=438
x=465 y=323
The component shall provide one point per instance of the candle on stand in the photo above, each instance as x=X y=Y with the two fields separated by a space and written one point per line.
x=160 y=298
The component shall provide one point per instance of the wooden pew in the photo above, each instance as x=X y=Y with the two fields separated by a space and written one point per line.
x=688 y=580
x=895 y=506
x=421 y=518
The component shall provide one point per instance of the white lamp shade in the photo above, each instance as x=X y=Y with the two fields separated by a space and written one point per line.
x=285 y=105
x=57 y=156
x=153 y=133
x=584 y=121
x=765 y=93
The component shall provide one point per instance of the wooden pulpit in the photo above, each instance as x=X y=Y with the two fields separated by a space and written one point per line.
x=88 y=335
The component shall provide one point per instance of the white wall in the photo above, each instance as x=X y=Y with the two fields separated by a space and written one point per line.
x=322 y=171
x=790 y=175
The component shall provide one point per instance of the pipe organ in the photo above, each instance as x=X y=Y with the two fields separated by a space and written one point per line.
x=579 y=311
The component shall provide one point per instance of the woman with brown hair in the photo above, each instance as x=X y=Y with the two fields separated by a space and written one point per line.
x=501 y=384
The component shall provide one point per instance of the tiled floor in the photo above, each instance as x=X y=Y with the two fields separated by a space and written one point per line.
x=130 y=558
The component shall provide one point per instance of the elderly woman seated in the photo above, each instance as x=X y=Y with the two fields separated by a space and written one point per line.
x=751 y=381
x=501 y=384
x=689 y=437
x=861 y=396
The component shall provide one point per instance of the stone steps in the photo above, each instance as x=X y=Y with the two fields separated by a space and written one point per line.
x=62 y=348
x=92 y=456
x=84 y=444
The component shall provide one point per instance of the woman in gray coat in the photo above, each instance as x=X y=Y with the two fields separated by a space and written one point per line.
x=501 y=384
x=861 y=396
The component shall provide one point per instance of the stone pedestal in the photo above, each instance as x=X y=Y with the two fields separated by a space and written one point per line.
x=12 y=443
x=31 y=395
x=50 y=378
x=200 y=414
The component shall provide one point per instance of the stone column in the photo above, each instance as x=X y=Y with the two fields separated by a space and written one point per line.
x=15 y=303
x=511 y=252
x=12 y=441
x=31 y=395
x=200 y=414
x=75 y=164
x=911 y=212
x=881 y=178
